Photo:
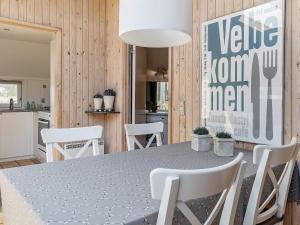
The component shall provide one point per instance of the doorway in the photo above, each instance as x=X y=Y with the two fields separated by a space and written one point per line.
x=150 y=87
x=31 y=97
x=53 y=36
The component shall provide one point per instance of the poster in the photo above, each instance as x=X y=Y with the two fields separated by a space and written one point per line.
x=242 y=74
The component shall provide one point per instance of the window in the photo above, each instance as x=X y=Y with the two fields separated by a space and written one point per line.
x=10 y=90
x=157 y=96
x=162 y=96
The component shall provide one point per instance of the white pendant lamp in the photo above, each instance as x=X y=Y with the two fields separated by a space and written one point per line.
x=156 y=23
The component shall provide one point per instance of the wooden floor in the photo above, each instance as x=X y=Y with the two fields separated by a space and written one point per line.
x=16 y=163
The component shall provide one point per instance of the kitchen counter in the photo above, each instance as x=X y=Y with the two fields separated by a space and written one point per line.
x=153 y=113
x=20 y=110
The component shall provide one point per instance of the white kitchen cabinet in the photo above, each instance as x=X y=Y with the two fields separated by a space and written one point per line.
x=16 y=134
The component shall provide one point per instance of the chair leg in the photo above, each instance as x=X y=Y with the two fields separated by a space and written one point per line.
x=96 y=150
x=168 y=201
x=49 y=153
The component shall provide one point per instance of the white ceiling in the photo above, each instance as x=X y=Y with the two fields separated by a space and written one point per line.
x=24 y=34
x=24 y=59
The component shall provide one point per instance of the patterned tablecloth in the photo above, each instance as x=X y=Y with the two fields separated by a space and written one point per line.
x=110 y=189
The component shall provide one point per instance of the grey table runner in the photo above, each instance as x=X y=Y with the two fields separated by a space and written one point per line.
x=110 y=189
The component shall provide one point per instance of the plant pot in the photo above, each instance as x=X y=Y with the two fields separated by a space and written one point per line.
x=109 y=102
x=201 y=143
x=98 y=103
x=224 y=146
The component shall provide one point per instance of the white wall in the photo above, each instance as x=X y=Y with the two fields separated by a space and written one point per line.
x=24 y=59
x=28 y=62
x=33 y=90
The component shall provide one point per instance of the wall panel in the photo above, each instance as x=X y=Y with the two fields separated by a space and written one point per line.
x=116 y=78
x=204 y=10
x=88 y=32
x=93 y=59
x=91 y=50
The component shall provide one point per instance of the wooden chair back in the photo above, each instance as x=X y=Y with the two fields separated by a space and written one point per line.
x=175 y=187
x=54 y=137
x=134 y=130
x=274 y=205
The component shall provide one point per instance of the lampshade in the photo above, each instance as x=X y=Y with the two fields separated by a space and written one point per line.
x=156 y=23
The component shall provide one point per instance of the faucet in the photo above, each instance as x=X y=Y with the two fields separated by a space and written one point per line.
x=11 y=104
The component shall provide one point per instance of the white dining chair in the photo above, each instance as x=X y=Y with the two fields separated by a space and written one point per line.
x=271 y=210
x=175 y=187
x=134 y=130
x=54 y=137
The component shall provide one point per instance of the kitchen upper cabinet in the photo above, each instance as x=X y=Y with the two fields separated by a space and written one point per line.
x=16 y=134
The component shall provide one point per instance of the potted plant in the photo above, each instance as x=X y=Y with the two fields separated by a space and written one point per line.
x=201 y=140
x=109 y=99
x=98 y=100
x=223 y=144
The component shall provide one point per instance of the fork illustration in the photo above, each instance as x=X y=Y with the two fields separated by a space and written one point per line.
x=270 y=66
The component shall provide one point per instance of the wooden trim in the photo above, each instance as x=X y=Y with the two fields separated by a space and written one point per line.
x=127 y=84
x=128 y=111
x=58 y=79
x=170 y=84
x=27 y=25
x=55 y=64
x=126 y=106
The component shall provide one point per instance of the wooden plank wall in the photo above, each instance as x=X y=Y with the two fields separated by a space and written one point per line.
x=116 y=77
x=186 y=79
x=91 y=50
x=186 y=68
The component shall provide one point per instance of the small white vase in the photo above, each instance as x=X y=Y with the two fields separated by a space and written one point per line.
x=109 y=102
x=201 y=143
x=98 y=103
x=224 y=146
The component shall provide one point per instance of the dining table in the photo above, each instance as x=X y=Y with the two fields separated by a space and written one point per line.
x=108 y=189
